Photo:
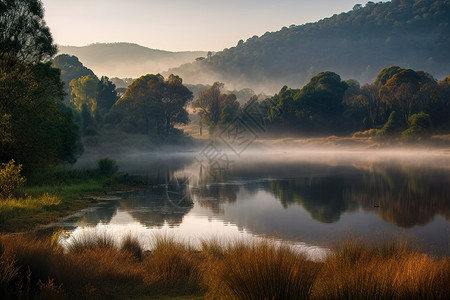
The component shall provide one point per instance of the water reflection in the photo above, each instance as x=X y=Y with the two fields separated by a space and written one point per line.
x=312 y=199
x=151 y=208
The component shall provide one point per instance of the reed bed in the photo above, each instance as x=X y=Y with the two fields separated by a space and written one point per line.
x=95 y=267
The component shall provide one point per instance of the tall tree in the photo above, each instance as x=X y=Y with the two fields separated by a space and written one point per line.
x=71 y=68
x=41 y=130
x=370 y=100
x=24 y=36
x=401 y=91
x=175 y=98
x=321 y=100
x=213 y=105
x=153 y=105
x=84 y=91
x=35 y=127
x=106 y=95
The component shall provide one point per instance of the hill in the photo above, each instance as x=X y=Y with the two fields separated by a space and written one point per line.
x=71 y=68
x=357 y=44
x=128 y=60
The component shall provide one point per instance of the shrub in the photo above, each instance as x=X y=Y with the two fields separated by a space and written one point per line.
x=419 y=126
x=10 y=178
x=107 y=166
x=366 y=133
x=391 y=127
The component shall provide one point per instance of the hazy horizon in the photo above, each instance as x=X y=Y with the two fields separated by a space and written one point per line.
x=181 y=26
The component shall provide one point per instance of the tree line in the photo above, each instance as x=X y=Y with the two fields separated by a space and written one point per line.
x=399 y=102
x=43 y=118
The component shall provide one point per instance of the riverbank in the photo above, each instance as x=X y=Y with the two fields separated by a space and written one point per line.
x=94 y=267
x=58 y=192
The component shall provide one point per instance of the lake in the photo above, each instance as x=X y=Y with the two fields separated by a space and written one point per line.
x=311 y=199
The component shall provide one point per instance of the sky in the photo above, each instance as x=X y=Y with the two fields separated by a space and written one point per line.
x=179 y=25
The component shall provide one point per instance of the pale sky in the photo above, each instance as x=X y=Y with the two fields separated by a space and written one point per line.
x=177 y=25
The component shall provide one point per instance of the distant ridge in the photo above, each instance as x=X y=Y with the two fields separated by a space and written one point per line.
x=357 y=44
x=128 y=59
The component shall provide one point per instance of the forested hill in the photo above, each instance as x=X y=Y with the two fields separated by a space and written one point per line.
x=357 y=44
x=128 y=60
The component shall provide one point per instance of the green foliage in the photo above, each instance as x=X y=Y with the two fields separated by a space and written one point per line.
x=71 y=68
x=39 y=129
x=84 y=91
x=34 y=126
x=328 y=105
x=216 y=108
x=107 y=166
x=419 y=126
x=25 y=37
x=106 y=95
x=392 y=127
x=355 y=44
x=152 y=105
x=93 y=99
x=386 y=74
x=88 y=124
x=10 y=178
x=316 y=108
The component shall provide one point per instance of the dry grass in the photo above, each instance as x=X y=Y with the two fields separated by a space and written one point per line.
x=132 y=246
x=173 y=265
x=91 y=241
x=261 y=270
x=382 y=271
x=98 y=269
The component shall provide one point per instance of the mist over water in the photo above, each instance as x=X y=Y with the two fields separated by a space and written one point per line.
x=311 y=197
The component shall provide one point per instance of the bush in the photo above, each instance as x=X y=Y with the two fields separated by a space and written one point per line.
x=391 y=127
x=419 y=126
x=107 y=166
x=10 y=178
x=366 y=133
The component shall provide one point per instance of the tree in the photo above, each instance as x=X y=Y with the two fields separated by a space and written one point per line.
x=152 y=105
x=321 y=101
x=419 y=126
x=84 y=91
x=106 y=95
x=401 y=91
x=71 y=68
x=392 y=126
x=10 y=178
x=41 y=130
x=215 y=107
x=174 y=101
x=386 y=74
x=371 y=103
x=35 y=128
x=24 y=37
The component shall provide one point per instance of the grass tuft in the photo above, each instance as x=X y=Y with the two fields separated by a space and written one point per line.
x=381 y=271
x=132 y=246
x=173 y=265
x=91 y=241
x=261 y=270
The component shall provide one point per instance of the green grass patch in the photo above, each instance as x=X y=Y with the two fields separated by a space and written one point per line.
x=74 y=189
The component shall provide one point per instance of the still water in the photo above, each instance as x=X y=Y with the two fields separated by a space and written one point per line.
x=311 y=199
